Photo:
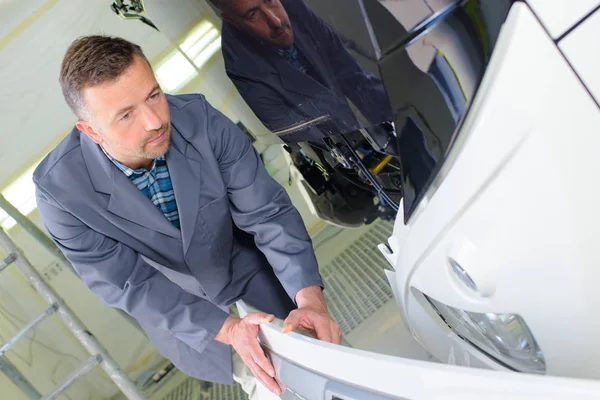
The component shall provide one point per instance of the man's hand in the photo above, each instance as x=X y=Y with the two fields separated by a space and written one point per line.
x=312 y=316
x=242 y=334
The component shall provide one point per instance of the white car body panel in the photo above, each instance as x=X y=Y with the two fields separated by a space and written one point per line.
x=581 y=49
x=558 y=16
x=516 y=205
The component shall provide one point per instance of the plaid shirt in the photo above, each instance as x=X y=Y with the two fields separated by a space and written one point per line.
x=155 y=184
x=292 y=56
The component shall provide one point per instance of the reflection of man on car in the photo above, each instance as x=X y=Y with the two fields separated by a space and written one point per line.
x=294 y=71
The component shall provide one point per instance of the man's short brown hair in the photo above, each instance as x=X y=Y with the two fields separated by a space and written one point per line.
x=90 y=61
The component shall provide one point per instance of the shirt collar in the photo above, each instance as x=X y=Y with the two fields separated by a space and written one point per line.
x=130 y=171
x=291 y=52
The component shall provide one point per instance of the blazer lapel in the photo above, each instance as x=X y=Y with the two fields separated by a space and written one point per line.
x=126 y=200
x=295 y=80
x=315 y=58
x=185 y=171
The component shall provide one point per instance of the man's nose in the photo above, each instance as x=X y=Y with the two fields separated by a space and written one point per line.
x=151 y=119
x=273 y=20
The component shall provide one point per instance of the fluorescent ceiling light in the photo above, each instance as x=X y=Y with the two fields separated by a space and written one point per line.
x=174 y=72
x=201 y=45
x=198 y=46
x=208 y=52
x=195 y=35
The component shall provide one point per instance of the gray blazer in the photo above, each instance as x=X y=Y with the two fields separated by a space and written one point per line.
x=235 y=220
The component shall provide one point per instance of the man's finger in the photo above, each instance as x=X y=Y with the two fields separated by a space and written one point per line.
x=287 y=328
x=322 y=329
x=259 y=357
x=290 y=323
x=262 y=376
x=258 y=318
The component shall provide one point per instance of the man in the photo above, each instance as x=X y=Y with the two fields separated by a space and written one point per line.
x=165 y=211
x=294 y=71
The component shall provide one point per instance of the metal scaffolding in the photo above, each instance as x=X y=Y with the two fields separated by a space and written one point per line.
x=99 y=355
x=44 y=240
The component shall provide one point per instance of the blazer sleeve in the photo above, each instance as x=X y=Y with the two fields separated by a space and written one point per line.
x=260 y=206
x=122 y=279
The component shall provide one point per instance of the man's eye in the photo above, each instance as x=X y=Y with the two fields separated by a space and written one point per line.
x=155 y=95
x=252 y=16
x=125 y=117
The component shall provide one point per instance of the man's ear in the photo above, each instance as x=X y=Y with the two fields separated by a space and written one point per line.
x=89 y=130
x=227 y=19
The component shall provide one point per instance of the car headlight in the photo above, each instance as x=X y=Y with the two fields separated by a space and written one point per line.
x=504 y=337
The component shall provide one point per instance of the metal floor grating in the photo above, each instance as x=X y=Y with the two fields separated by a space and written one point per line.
x=356 y=285
x=193 y=389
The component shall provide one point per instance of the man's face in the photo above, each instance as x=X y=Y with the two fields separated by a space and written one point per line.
x=129 y=116
x=264 y=19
